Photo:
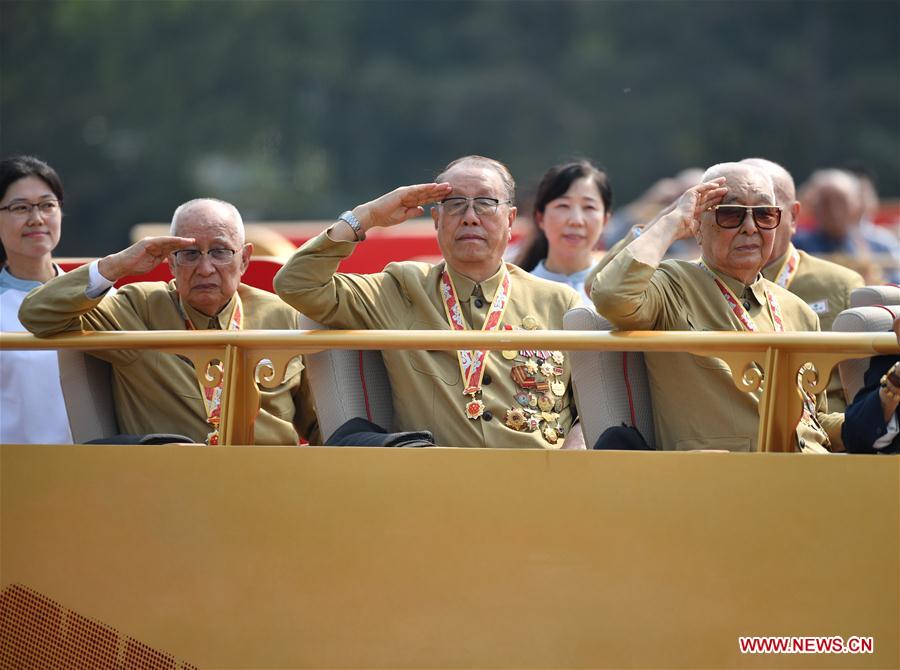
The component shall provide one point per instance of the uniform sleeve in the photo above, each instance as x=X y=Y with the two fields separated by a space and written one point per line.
x=309 y=282
x=61 y=305
x=613 y=251
x=864 y=418
x=636 y=296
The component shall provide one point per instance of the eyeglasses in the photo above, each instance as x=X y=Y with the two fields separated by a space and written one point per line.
x=765 y=217
x=482 y=206
x=22 y=210
x=189 y=257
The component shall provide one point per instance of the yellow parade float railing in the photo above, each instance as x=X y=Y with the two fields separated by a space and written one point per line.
x=180 y=556
x=783 y=365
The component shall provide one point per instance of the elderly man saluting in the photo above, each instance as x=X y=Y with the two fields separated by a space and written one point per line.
x=466 y=398
x=733 y=216
x=158 y=392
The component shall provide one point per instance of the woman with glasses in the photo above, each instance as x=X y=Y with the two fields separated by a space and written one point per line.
x=571 y=207
x=30 y=219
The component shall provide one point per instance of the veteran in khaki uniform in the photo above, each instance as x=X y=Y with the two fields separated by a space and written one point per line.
x=733 y=216
x=158 y=392
x=823 y=285
x=466 y=398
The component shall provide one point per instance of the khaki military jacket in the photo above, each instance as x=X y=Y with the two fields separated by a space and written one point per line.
x=427 y=386
x=695 y=402
x=158 y=392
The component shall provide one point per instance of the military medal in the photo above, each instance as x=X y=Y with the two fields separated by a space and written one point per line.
x=529 y=323
x=509 y=355
x=557 y=388
x=557 y=357
x=472 y=363
x=550 y=435
x=474 y=409
x=515 y=418
x=212 y=395
x=546 y=402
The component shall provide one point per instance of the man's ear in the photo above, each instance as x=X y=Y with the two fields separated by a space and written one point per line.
x=795 y=216
x=246 y=253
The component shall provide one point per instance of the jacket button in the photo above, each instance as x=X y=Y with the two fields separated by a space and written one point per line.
x=479 y=303
x=487 y=379
x=487 y=416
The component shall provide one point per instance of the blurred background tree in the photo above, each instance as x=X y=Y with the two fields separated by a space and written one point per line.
x=299 y=110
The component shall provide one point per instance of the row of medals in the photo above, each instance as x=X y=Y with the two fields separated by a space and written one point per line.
x=539 y=378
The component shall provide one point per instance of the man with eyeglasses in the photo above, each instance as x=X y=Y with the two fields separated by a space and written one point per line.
x=158 y=392
x=511 y=398
x=823 y=285
x=733 y=215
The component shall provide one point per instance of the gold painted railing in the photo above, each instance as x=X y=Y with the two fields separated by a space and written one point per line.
x=775 y=363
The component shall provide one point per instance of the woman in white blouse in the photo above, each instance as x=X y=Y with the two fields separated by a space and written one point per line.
x=32 y=409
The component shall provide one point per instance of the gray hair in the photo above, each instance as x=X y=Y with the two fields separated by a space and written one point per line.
x=508 y=182
x=191 y=206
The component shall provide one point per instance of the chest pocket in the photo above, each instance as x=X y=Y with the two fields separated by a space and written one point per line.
x=442 y=365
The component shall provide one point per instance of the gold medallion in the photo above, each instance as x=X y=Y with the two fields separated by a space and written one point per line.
x=509 y=354
x=515 y=418
x=474 y=409
x=529 y=323
x=558 y=389
x=546 y=402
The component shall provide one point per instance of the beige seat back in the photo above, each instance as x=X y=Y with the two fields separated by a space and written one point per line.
x=884 y=294
x=348 y=384
x=871 y=318
x=87 y=390
x=611 y=387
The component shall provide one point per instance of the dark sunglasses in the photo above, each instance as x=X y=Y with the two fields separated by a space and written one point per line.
x=732 y=216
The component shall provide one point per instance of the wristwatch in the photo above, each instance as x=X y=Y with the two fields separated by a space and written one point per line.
x=354 y=223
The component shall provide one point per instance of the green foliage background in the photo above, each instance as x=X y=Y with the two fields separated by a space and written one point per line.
x=302 y=109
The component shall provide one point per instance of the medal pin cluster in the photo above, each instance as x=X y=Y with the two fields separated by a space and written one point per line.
x=539 y=376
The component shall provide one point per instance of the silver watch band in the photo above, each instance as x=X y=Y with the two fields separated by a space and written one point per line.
x=354 y=223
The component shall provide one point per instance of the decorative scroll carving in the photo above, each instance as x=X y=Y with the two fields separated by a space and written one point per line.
x=748 y=374
x=269 y=372
x=208 y=365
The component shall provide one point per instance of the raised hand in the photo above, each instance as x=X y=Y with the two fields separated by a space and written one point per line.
x=399 y=205
x=141 y=256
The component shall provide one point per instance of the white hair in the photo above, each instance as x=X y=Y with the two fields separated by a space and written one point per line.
x=201 y=204
x=781 y=178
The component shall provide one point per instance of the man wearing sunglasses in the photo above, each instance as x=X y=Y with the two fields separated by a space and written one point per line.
x=157 y=392
x=823 y=285
x=734 y=217
x=473 y=398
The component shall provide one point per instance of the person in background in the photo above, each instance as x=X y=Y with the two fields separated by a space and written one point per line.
x=571 y=207
x=33 y=407
x=872 y=420
x=835 y=198
x=157 y=392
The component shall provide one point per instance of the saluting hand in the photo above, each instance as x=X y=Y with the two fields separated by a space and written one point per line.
x=400 y=204
x=686 y=211
x=141 y=256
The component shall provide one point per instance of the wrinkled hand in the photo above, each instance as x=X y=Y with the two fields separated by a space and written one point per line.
x=685 y=212
x=142 y=256
x=399 y=205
